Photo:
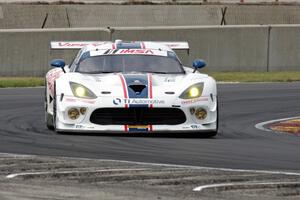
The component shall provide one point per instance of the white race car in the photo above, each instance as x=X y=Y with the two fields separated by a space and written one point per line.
x=114 y=87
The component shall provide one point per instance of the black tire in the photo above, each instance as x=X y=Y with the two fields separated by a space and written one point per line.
x=48 y=117
x=49 y=121
x=54 y=108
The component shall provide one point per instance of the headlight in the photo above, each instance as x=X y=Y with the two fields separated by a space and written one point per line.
x=81 y=91
x=193 y=91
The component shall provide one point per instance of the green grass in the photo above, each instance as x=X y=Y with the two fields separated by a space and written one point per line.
x=21 y=82
x=256 y=76
x=219 y=76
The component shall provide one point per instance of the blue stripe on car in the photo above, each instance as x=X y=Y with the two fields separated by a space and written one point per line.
x=132 y=79
x=137 y=79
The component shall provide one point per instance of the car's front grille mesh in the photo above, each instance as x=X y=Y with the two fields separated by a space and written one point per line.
x=138 y=116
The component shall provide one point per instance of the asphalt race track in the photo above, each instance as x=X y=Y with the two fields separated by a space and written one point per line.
x=239 y=144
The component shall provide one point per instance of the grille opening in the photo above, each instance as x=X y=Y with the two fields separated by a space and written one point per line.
x=138 y=116
x=137 y=88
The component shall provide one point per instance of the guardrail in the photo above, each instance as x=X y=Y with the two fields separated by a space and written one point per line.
x=225 y=48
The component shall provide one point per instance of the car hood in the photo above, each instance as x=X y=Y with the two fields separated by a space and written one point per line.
x=115 y=84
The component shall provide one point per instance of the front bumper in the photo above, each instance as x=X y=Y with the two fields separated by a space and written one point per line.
x=83 y=123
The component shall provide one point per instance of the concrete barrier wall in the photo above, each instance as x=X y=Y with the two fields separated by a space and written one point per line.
x=258 y=14
x=225 y=48
x=27 y=52
x=32 y=16
x=143 y=15
x=74 y=16
x=14 y=16
x=284 y=48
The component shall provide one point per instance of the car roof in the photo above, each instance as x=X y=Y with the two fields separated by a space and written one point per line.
x=119 y=44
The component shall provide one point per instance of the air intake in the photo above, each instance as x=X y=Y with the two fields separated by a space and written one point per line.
x=137 y=88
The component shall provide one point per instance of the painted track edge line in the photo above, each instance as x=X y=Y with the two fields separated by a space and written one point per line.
x=261 y=125
x=171 y=165
x=10 y=176
x=203 y=187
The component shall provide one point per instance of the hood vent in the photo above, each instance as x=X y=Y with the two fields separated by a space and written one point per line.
x=137 y=88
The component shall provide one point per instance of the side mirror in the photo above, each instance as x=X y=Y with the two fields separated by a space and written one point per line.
x=59 y=63
x=198 y=64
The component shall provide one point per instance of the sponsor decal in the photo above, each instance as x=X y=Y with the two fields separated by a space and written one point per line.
x=136 y=51
x=70 y=99
x=79 y=44
x=191 y=101
x=172 y=45
x=83 y=127
x=51 y=77
x=118 y=101
x=195 y=126
x=186 y=127
x=144 y=101
x=127 y=52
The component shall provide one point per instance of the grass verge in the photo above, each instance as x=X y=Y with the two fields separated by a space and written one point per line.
x=256 y=76
x=21 y=82
x=219 y=76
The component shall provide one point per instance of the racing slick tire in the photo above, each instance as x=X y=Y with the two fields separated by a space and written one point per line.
x=48 y=117
x=54 y=110
x=49 y=121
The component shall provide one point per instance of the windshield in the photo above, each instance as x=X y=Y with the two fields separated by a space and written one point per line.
x=129 y=63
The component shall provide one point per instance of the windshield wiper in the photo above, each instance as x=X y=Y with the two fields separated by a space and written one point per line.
x=107 y=72
x=155 y=72
x=162 y=72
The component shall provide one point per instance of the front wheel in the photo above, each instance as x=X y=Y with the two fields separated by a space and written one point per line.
x=49 y=121
x=48 y=117
x=54 y=108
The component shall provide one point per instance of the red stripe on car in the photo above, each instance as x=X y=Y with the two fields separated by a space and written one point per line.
x=150 y=95
x=150 y=88
x=125 y=95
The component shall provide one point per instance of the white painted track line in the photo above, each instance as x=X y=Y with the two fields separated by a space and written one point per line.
x=165 y=165
x=203 y=187
x=261 y=126
x=208 y=168
x=71 y=172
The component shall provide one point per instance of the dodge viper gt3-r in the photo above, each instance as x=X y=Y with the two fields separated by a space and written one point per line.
x=114 y=87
